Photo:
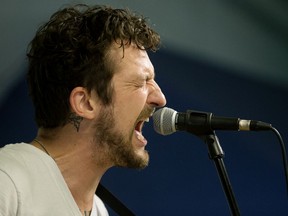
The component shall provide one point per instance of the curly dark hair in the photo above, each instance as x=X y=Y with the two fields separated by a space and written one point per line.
x=70 y=50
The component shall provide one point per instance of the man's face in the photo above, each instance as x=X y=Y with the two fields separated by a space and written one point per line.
x=136 y=94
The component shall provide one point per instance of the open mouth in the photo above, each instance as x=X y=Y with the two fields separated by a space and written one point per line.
x=138 y=129
x=140 y=125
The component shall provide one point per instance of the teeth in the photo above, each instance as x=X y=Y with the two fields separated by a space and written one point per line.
x=146 y=120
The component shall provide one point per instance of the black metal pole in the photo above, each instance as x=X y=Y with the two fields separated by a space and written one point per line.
x=216 y=154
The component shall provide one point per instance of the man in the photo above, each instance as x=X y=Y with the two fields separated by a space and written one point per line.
x=93 y=87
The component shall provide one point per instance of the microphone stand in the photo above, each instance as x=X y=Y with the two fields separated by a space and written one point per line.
x=216 y=153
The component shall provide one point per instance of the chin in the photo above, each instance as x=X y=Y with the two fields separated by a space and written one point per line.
x=143 y=158
x=136 y=159
x=140 y=160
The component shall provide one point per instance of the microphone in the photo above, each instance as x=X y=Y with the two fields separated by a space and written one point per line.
x=167 y=121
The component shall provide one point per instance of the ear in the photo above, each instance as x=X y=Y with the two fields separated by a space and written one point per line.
x=82 y=104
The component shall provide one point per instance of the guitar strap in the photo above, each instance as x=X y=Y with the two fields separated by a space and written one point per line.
x=107 y=197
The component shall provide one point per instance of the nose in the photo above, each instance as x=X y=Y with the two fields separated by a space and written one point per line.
x=156 y=98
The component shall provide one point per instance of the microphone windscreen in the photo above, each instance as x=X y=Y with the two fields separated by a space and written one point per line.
x=164 y=121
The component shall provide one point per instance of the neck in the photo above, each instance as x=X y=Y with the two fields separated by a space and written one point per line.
x=78 y=163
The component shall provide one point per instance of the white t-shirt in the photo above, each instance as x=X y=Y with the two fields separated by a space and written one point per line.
x=31 y=184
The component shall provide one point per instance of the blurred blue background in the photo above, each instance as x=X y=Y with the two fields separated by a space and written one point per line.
x=225 y=57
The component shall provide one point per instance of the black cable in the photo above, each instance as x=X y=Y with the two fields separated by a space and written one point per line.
x=284 y=156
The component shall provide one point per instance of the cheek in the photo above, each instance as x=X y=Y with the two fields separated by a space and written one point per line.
x=128 y=106
x=139 y=97
x=131 y=102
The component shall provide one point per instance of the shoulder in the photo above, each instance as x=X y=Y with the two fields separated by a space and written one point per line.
x=29 y=178
x=21 y=162
x=11 y=157
x=15 y=157
x=8 y=195
x=15 y=163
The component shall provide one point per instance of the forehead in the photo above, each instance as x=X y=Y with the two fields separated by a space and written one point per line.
x=130 y=59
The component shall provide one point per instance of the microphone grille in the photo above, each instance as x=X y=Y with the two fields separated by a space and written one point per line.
x=164 y=121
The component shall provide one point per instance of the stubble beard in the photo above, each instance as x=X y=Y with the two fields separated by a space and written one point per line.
x=117 y=149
